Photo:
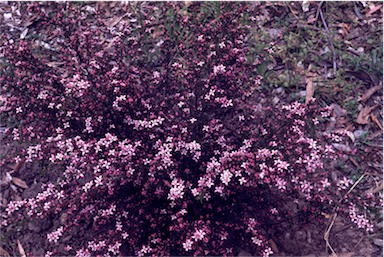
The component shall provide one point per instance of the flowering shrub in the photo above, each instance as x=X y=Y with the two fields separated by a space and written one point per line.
x=160 y=148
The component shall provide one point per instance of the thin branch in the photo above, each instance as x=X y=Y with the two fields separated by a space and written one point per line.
x=328 y=230
x=334 y=56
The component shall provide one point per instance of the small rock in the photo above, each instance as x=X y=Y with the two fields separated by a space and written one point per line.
x=63 y=218
x=274 y=33
x=324 y=51
x=244 y=253
x=287 y=235
x=339 y=110
x=90 y=9
x=359 y=133
x=342 y=147
x=300 y=65
x=7 y=16
x=279 y=90
x=301 y=93
x=300 y=235
x=14 y=188
x=378 y=242
x=360 y=50
x=33 y=227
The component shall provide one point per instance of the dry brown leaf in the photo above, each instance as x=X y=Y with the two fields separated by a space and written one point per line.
x=374 y=118
x=19 y=182
x=24 y=33
x=110 y=44
x=3 y=252
x=273 y=246
x=21 y=249
x=354 y=161
x=17 y=167
x=157 y=33
x=363 y=116
x=311 y=19
x=114 y=21
x=351 y=136
x=54 y=64
x=375 y=189
x=310 y=90
x=370 y=92
x=6 y=179
x=326 y=215
x=373 y=8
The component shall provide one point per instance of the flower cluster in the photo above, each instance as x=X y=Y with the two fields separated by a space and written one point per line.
x=55 y=235
x=154 y=144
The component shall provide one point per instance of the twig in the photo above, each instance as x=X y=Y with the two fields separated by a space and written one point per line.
x=375 y=190
x=328 y=230
x=334 y=57
x=353 y=186
x=372 y=144
x=363 y=237
x=290 y=9
x=357 y=12
x=318 y=10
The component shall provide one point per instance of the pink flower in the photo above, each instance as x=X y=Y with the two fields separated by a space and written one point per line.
x=226 y=177
x=268 y=251
x=55 y=235
x=188 y=245
x=199 y=235
x=82 y=253
x=177 y=190
x=344 y=183
x=114 y=249
x=218 y=69
x=281 y=184
x=256 y=241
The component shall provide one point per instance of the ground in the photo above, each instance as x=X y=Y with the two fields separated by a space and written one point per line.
x=329 y=50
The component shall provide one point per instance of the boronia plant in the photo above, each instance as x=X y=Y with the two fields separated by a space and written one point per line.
x=155 y=145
